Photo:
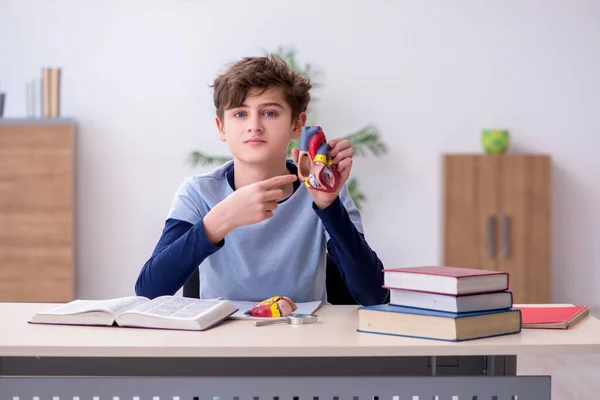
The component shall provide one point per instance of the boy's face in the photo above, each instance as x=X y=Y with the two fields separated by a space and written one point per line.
x=260 y=129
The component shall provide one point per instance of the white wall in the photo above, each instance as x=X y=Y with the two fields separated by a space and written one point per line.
x=430 y=74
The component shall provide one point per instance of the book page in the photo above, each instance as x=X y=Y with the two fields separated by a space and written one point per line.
x=243 y=306
x=112 y=306
x=176 y=307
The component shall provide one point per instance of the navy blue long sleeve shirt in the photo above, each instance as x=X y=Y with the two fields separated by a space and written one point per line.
x=183 y=246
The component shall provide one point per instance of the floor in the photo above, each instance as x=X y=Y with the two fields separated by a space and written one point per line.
x=574 y=377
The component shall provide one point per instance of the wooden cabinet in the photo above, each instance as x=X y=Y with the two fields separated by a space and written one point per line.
x=497 y=217
x=36 y=210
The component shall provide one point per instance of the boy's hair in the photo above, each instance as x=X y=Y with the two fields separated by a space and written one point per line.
x=232 y=87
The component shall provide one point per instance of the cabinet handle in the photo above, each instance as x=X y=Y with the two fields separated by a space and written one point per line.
x=506 y=236
x=491 y=236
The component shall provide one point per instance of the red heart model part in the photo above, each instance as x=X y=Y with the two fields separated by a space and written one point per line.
x=273 y=307
x=315 y=165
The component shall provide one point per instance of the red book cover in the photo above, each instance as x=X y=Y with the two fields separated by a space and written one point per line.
x=454 y=272
x=552 y=317
x=446 y=280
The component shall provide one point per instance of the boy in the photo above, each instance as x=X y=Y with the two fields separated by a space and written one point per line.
x=250 y=225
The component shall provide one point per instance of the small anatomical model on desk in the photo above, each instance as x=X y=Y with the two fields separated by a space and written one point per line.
x=273 y=307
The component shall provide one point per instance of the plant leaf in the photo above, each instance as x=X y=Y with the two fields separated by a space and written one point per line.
x=355 y=193
x=294 y=143
x=367 y=139
x=199 y=158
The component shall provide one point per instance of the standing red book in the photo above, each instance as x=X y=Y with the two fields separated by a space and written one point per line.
x=445 y=280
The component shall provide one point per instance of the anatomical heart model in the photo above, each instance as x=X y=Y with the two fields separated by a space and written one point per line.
x=315 y=165
x=273 y=307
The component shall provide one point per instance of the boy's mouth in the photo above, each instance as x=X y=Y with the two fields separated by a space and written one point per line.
x=255 y=141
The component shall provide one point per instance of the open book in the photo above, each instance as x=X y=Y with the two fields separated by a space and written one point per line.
x=166 y=312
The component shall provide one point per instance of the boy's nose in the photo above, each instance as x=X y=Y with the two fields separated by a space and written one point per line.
x=254 y=125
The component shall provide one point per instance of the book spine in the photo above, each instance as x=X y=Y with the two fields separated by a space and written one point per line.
x=46 y=92
x=55 y=92
x=29 y=99
x=36 y=106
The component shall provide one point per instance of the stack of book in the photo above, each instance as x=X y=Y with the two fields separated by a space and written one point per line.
x=443 y=303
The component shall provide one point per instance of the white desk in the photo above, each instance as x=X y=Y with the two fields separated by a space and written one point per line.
x=278 y=357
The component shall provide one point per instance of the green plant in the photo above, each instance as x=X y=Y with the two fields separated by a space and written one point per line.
x=365 y=140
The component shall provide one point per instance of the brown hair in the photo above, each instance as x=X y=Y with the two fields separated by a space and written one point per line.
x=232 y=87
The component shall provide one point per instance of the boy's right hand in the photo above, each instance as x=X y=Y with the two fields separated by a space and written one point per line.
x=245 y=206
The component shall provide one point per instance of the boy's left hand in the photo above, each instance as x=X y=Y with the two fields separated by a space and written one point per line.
x=342 y=154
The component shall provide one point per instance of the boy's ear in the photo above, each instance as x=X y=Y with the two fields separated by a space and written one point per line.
x=298 y=124
x=221 y=129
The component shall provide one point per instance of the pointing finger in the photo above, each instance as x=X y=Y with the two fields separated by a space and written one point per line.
x=274 y=195
x=278 y=181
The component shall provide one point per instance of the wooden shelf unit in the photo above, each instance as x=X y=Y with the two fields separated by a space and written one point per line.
x=37 y=210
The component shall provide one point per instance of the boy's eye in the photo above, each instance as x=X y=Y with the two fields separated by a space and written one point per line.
x=239 y=114
x=270 y=113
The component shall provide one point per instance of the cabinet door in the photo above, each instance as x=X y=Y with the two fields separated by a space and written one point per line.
x=471 y=198
x=525 y=226
x=36 y=212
